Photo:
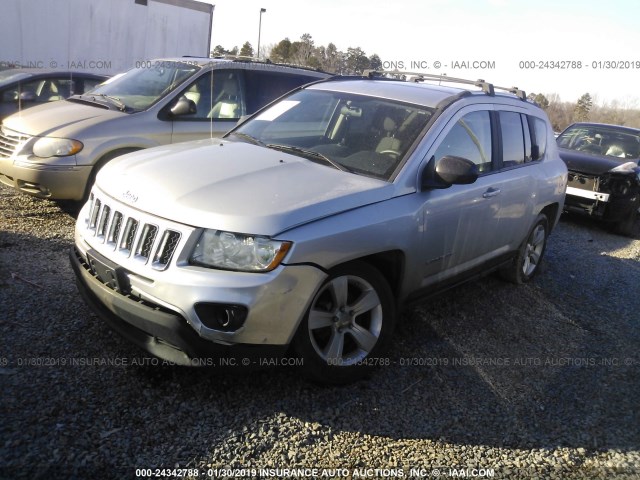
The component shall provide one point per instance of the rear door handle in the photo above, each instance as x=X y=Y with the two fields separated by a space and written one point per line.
x=492 y=192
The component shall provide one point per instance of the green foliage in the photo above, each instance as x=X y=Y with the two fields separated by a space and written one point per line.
x=540 y=99
x=246 y=50
x=304 y=52
x=562 y=114
x=583 y=107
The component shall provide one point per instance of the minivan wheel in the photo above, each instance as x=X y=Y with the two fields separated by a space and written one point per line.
x=527 y=263
x=347 y=325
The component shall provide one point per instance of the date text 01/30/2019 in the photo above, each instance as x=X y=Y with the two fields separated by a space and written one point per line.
x=579 y=65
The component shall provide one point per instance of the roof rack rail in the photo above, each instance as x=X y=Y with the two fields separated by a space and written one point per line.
x=266 y=61
x=486 y=87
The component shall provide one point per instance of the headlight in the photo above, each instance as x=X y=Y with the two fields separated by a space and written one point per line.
x=234 y=251
x=56 y=147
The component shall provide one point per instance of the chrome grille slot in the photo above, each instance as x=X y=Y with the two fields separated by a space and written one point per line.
x=93 y=216
x=147 y=237
x=129 y=235
x=114 y=230
x=104 y=221
x=165 y=250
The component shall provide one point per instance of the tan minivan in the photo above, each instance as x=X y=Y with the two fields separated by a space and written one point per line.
x=55 y=150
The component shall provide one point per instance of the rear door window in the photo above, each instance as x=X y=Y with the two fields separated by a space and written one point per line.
x=513 y=145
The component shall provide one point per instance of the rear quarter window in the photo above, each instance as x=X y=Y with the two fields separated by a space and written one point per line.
x=541 y=132
x=263 y=87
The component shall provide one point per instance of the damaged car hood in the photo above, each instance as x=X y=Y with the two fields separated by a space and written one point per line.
x=590 y=164
x=235 y=186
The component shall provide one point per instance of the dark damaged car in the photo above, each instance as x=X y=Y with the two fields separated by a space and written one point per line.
x=604 y=172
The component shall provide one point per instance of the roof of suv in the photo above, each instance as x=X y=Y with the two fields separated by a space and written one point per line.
x=417 y=92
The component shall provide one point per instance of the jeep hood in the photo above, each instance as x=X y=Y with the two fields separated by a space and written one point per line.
x=55 y=118
x=235 y=186
x=590 y=164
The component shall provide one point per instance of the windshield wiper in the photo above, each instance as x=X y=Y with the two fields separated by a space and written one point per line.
x=114 y=100
x=309 y=154
x=251 y=139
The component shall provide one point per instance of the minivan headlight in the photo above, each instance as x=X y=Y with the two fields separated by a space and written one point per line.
x=235 y=251
x=56 y=147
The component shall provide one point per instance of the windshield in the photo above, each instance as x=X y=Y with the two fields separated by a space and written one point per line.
x=140 y=88
x=356 y=133
x=601 y=140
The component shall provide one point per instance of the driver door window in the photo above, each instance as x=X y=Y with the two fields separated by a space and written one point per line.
x=470 y=138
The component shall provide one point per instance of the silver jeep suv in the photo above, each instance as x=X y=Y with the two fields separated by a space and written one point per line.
x=306 y=228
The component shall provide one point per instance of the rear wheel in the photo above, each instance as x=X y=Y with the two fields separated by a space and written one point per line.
x=527 y=263
x=347 y=326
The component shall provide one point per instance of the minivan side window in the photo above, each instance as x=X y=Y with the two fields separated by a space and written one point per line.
x=217 y=95
x=263 y=87
x=470 y=138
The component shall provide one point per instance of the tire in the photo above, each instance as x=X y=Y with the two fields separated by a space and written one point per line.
x=98 y=166
x=627 y=227
x=347 y=326
x=527 y=263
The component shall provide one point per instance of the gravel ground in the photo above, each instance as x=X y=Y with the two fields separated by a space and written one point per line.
x=491 y=379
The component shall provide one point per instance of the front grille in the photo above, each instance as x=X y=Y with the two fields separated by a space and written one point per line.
x=131 y=233
x=11 y=142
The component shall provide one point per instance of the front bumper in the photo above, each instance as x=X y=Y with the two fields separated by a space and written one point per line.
x=603 y=206
x=60 y=182
x=274 y=312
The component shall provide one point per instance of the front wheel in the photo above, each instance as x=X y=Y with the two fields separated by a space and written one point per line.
x=627 y=226
x=527 y=263
x=347 y=326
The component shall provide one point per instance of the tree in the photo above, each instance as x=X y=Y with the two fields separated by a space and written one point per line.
x=540 y=99
x=357 y=61
x=583 y=107
x=281 y=53
x=246 y=50
x=219 y=51
x=302 y=51
x=374 y=62
x=332 y=59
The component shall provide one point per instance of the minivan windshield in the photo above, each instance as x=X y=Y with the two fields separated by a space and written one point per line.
x=355 y=133
x=140 y=88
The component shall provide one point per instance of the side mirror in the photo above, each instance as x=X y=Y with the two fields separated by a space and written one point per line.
x=183 y=106
x=449 y=170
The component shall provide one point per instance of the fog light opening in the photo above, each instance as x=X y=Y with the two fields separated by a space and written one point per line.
x=227 y=318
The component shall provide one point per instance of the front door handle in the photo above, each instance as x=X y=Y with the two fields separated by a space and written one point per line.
x=492 y=192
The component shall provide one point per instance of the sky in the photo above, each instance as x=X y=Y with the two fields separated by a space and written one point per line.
x=564 y=47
